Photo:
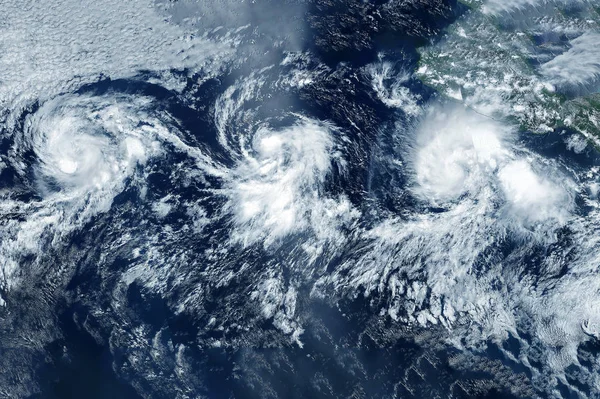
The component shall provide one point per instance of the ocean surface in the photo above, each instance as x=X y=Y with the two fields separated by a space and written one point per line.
x=299 y=199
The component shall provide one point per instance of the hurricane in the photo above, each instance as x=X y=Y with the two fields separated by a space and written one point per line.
x=300 y=199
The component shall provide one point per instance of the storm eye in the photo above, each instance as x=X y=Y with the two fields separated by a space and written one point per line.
x=85 y=143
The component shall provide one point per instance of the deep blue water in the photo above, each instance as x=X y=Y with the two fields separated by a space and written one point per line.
x=342 y=355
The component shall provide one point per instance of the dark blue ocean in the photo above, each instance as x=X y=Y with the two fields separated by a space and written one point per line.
x=186 y=322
